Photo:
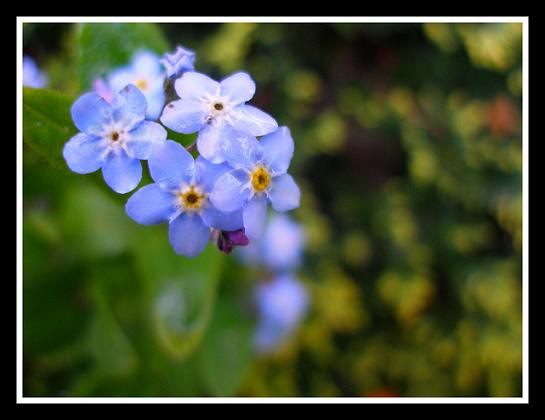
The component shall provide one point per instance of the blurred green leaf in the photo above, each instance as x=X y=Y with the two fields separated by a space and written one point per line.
x=104 y=46
x=93 y=223
x=48 y=298
x=183 y=379
x=112 y=351
x=47 y=124
x=182 y=290
x=226 y=352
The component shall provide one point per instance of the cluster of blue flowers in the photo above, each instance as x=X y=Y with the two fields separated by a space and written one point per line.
x=281 y=299
x=225 y=191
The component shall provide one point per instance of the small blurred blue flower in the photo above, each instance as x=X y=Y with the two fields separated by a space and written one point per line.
x=146 y=73
x=179 y=196
x=281 y=247
x=32 y=75
x=178 y=62
x=281 y=304
x=113 y=137
x=259 y=175
x=216 y=110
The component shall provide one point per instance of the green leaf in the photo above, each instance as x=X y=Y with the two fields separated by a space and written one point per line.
x=104 y=46
x=47 y=123
x=182 y=290
x=109 y=346
x=94 y=224
x=52 y=312
x=226 y=352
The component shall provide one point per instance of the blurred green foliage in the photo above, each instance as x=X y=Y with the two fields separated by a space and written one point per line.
x=409 y=155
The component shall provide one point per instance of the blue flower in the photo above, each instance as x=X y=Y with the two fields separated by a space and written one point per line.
x=215 y=109
x=32 y=75
x=281 y=247
x=281 y=304
x=178 y=62
x=103 y=89
x=113 y=137
x=259 y=176
x=146 y=73
x=180 y=197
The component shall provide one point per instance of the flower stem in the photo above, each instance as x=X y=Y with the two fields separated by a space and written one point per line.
x=191 y=147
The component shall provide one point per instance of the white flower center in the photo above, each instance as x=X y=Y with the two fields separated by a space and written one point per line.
x=217 y=108
x=115 y=136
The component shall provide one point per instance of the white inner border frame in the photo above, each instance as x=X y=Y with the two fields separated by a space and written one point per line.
x=261 y=19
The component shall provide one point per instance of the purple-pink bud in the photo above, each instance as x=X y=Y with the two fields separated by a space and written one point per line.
x=227 y=240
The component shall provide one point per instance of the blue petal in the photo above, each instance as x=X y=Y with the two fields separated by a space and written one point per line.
x=222 y=220
x=145 y=63
x=140 y=141
x=171 y=163
x=90 y=113
x=283 y=243
x=178 y=62
x=84 y=153
x=278 y=150
x=209 y=142
x=238 y=87
x=184 y=116
x=120 y=78
x=254 y=215
x=252 y=121
x=207 y=173
x=156 y=101
x=229 y=192
x=129 y=106
x=240 y=151
x=282 y=302
x=30 y=69
x=188 y=234
x=151 y=205
x=32 y=76
x=196 y=86
x=103 y=89
x=284 y=194
x=145 y=67
x=121 y=172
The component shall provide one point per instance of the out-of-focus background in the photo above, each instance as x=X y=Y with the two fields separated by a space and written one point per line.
x=408 y=152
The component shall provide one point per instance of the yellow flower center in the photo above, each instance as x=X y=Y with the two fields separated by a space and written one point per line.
x=218 y=106
x=260 y=179
x=142 y=84
x=192 y=199
x=115 y=136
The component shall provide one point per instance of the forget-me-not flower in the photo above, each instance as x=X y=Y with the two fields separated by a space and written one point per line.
x=280 y=249
x=281 y=304
x=32 y=75
x=146 y=73
x=178 y=62
x=103 y=89
x=179 y=196
x=114 y=137
x=259 y=175
x=214 y=110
